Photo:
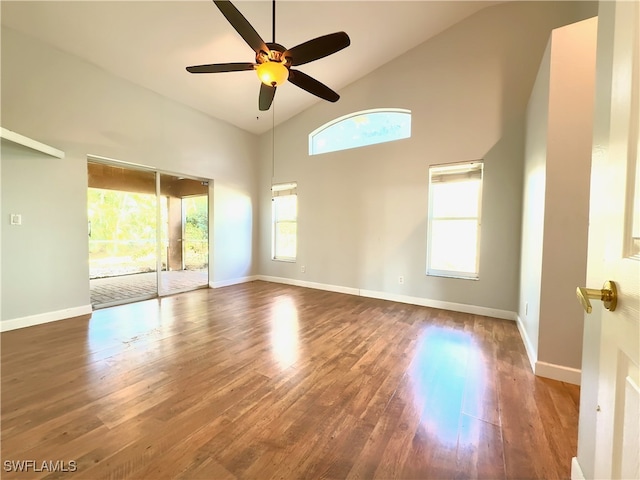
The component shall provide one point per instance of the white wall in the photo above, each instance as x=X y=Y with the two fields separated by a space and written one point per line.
x=556 y=205
x=571 y=103
x=362 y=212
x=533 y=205
x=76 y=107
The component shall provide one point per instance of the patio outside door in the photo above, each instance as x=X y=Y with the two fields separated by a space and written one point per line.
x=184 y=248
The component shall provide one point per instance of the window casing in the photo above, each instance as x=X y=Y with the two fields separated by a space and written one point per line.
x=453 y=226
x=284 y=215
x=360 y=129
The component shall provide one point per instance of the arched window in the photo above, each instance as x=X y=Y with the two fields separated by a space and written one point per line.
x=360 y=129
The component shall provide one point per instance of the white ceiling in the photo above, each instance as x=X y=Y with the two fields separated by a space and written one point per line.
x=151 y=42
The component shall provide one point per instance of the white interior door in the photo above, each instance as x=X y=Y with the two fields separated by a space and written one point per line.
x=609 y=436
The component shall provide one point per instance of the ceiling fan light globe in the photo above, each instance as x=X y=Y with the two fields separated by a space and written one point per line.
x=272 y=74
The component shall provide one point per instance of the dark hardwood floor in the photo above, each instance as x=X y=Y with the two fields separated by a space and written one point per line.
x=266 y=381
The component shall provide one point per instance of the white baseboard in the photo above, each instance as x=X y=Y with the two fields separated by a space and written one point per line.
x=423 y=302
x=576 y=471
x=558 y=372
x=314 y=285
x=31 y=320
x=426 y=302
x=233 y=281
x=544 y=369
x=528 y=346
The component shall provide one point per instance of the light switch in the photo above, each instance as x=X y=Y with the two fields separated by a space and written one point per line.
x=16 y=219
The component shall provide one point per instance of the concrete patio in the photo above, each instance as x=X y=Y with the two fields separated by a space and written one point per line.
x=121 y=289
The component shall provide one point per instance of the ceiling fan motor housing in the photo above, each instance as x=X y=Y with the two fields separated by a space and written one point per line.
x=275 y=54
x=273 y=67
x=273 y=61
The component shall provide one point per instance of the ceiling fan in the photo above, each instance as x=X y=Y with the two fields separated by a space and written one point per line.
x=273 y=61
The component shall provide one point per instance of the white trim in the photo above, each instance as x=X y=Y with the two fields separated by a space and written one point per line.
x=23 y=322
x=426 y=302
x=30 y=143
x=576 y=470
x=233 y=281
x=558 y=372
x=528 y=346
x=314 y=285
x=544 y=369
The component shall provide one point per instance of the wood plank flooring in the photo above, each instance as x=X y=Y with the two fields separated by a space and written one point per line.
x=266 y=381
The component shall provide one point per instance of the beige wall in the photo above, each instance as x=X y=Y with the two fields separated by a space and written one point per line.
x=60 y=100
x=362 y=212
x=556 y=199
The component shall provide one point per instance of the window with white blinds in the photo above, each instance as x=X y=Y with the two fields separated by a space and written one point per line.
x=284 y=214
x=453 y=230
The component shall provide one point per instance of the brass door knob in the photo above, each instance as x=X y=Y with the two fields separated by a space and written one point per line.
x=608 y=295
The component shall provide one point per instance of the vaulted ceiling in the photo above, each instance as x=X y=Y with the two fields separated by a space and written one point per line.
x=151 y=42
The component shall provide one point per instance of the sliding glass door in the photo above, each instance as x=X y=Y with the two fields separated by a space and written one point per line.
x=148 y=233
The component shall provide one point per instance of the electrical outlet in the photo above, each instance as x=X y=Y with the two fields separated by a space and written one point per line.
x=16 y=219
x=401 y=280
x=303 y=269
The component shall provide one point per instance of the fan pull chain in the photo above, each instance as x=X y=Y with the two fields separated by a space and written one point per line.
x=273 y=142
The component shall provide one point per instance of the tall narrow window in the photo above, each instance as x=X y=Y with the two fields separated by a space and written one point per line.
x=284 y=211
x=453 y=240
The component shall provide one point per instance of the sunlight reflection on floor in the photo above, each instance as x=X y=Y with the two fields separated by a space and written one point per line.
x=284 y=332
x=440 y=380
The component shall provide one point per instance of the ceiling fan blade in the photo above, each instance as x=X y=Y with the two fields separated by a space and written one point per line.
x=242 y=25
x=221 y=67
x=318 y=48
x=312 y=85
x=266 y=97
